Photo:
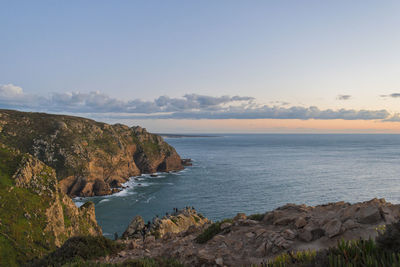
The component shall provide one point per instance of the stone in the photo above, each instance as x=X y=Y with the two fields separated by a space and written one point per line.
x=332 y=228
x=250 y=235
x=285 y=220
x=218 y=238
x=225 y=225
x=122 y=254
x=368 y=215
x=289 y=234
x=300 y=222
x=349 y=224
x=268 y=218
x=204 y=255
x=219 y=261
x=305 y=235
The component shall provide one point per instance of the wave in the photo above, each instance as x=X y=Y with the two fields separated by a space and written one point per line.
x=78 y=203
x=150 y=198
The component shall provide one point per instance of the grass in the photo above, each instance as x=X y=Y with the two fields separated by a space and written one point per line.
x=21 y=215
x=211 y=231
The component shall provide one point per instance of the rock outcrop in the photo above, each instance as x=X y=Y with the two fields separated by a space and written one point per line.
x=247 y=240
x=35 y=215
x=177 y=222
x=90 y=158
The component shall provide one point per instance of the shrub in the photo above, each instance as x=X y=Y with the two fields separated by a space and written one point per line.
x=256 y=217
x=389 y=239
x=211 y=231
x=82 y=248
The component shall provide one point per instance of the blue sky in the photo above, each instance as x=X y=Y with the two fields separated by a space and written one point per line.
x=285 y=55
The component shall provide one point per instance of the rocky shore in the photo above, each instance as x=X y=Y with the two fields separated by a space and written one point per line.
x=254 y=239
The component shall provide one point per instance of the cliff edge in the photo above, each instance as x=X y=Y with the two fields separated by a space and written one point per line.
x=90 y=158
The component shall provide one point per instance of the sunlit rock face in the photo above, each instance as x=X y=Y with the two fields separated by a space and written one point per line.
x=90 y=158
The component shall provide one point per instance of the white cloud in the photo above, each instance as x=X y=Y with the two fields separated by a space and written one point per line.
x=190 y=106
x=10 y=90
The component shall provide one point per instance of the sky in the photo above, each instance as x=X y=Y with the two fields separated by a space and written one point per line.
x=206 y=66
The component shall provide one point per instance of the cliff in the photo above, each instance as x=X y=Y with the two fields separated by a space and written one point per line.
x=90 y=158
x=251 y=240
x=35 y=215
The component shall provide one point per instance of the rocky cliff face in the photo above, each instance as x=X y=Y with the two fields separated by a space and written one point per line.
x=35 y=215
x=177 y=222
x=247 y=240
x=90 y=158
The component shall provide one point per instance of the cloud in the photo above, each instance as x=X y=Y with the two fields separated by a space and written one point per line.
x=10 y=90
x=190 y=106
x=394 y=118
x=279 y=103
x=343 y=97
x=394 y=95
x=266 y=112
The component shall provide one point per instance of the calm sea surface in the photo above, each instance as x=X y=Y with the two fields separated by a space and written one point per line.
x=257 y=173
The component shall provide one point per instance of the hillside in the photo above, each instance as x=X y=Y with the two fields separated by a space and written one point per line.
x=90 y=158
x=35 y=215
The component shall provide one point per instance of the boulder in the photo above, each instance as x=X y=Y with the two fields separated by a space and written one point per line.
x=305 y=235
x=300 y=222
x=368 y=215
x=332 y=228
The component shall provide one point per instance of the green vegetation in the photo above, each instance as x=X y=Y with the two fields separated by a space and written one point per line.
x=385 y=251
x=174 y=220
x=82 y=251
x=362 y=253
x=300 y=258
x=23 y=220
x=389 y=237
x=256 y=217
x=211 y=231
x=21 y=215
x=145 y=262
x=196 y=219
x=78 y=249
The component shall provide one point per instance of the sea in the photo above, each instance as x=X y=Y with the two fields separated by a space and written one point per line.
x=256 y=173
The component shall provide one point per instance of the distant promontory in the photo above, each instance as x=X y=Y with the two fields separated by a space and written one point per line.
x=90 y=158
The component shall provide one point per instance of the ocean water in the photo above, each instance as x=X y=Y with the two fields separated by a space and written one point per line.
x=257 y=173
